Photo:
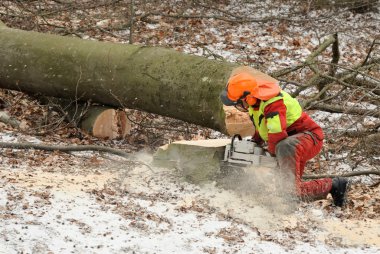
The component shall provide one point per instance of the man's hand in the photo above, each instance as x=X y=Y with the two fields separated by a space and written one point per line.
x=257 y=139
x=265 y=147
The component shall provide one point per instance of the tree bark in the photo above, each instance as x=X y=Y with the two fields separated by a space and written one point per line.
x=152 y=79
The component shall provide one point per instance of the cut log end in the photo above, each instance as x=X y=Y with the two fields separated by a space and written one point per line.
x=98 y=121
x=198 y=161
x=111 y=124
x=238 y=122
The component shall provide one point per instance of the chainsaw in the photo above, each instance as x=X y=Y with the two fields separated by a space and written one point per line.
x=200 y=160
x=244 y=152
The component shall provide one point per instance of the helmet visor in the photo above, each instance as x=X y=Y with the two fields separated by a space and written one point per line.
x=225 y=100
x=242 y=106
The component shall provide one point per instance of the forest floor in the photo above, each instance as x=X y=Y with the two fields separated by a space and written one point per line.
x=89 y=202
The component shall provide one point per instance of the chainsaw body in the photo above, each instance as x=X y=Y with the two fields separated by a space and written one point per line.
x=243 y=152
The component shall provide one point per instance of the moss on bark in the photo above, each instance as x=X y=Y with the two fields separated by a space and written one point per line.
x=153 y=79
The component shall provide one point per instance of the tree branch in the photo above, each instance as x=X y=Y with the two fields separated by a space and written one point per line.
x=309 y=60
x=335 y=57
x=369 y=51
x=72 y=7
x=340 y=109
x=76 y=148
x=131 y=23
x=341 y=78
x=350 y=174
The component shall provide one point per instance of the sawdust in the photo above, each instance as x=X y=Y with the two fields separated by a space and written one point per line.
x=265 y=187
x=256 y=206
x=252 y=197
x=134 y=191
x=250 y=208
x=255 y=199
x=351 y=232
x=37 y=179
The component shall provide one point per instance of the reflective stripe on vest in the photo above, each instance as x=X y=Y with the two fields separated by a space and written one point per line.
x=272 y=123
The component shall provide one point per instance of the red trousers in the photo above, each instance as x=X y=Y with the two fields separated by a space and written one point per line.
x=292 y=154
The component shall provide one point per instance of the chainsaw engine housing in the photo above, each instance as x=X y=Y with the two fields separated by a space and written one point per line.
x=246 y=152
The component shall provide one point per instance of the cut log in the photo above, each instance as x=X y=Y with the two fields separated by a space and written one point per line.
x=98 y=121
x=238 y=122
x=105 y=122
x=198 y=161
x=153 y=79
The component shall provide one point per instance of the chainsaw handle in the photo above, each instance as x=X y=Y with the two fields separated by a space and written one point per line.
x=236 y=136
x=232 y=142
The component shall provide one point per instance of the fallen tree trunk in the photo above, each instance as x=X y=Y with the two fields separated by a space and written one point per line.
x=152 y=79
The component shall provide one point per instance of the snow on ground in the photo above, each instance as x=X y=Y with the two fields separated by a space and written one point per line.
x=83 y=203
x=131 y=209
x=115 y=206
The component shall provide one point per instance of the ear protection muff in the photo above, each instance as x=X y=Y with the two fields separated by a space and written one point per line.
x=250 y=100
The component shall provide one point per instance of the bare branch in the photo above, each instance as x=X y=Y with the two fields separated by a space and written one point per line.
x=335 y=57
x=309 y=60
x=350 y=174
x=341 y=109
x=132 y=14
x=369 y=52
x=76 y=148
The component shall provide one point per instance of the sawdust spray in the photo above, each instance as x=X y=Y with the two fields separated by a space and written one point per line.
x=270 y=188
x=252 y=195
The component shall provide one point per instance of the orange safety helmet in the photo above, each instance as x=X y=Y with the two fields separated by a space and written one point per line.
x=246 y=86
x=240 y=86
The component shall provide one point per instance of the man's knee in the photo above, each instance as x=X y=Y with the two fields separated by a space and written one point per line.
x=287 y=147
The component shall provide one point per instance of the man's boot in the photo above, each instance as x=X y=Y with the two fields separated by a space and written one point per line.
x=339 y=190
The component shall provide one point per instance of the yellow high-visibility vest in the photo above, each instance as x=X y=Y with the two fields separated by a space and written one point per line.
x=271 y=123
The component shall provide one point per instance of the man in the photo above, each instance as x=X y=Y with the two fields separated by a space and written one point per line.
x=291 y=135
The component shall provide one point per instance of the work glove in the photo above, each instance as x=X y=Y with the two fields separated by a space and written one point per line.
x=257 y=139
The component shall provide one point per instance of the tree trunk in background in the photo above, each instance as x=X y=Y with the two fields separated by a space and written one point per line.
x=152 y=79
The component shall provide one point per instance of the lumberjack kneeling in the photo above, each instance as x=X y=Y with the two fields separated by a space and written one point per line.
x=291 y=135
